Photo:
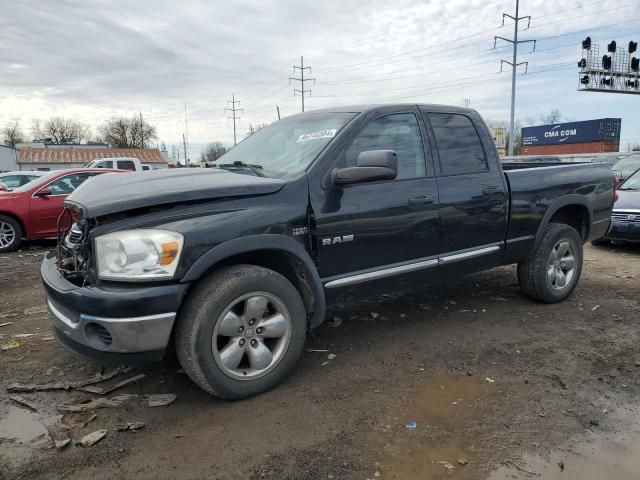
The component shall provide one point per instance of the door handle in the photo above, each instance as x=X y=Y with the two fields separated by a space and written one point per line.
x=421 y=200
x=489 y=189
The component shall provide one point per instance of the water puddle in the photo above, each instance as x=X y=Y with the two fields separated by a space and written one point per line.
x=593 y=456
x=20 y=432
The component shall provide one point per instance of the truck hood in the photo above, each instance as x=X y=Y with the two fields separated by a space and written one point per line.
x=627 y=200
x=118 y=192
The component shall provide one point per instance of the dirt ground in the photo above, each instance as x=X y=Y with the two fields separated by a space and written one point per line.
x=466 y=380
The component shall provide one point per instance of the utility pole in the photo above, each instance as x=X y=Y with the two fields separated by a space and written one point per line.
x=184 y=144
x=278 y=109
x=233 y=111
x=141 y=132
x=514 y=65
x=467 y=101
x=301 y=90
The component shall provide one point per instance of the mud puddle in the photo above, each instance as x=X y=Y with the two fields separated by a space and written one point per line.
x=592 y=456
x=20 y=432
x=437 y=434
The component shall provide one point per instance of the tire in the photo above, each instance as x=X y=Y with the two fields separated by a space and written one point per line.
x=226 y=302
x=600 y=242
x=539 y=278
x=10 y=234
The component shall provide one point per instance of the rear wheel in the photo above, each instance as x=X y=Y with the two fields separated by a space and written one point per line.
x=10 y=234
x=241 y=331
x=553 y=271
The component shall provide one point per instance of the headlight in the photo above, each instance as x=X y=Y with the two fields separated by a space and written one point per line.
x=137 y=255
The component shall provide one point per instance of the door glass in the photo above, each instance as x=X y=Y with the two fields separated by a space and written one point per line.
x=104 y=164
x=126 y=165
x=66 y=185
x=12 y=181
x=458 y=143
x=398 y=132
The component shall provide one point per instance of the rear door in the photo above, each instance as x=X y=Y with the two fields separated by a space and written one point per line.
x=374 y=225
x=472 y=189
x=45 y=210
x=126 y=165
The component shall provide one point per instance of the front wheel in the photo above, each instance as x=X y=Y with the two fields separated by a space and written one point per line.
x=554 y=269
x=241 y=331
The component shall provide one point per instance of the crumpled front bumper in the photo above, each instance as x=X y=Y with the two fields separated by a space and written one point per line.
x=112 y=323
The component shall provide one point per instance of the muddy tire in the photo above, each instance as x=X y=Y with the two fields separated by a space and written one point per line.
x=241 y=331
x=10 y=234
x=553 y=271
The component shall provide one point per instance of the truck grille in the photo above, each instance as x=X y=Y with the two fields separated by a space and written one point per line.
x=633 y=217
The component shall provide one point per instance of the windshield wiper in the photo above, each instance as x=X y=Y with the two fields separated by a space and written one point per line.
x=255 y=168
x=627 y=188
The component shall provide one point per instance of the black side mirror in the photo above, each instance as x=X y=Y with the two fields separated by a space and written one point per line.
x=371 y=166
x=43 y=192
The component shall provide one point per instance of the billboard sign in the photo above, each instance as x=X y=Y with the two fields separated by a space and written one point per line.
x=601 y=130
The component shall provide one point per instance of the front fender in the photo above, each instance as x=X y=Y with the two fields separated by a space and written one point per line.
x=253 y=243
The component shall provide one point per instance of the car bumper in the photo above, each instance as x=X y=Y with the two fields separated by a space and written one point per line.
x=624 y=231
x=111 y=323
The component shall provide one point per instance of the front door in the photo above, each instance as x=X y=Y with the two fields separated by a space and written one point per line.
x=372 y=226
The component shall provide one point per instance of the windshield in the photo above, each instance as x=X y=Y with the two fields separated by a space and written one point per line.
x=33 y=183
x=287 y=147
x=631 y=163
x=631 y=183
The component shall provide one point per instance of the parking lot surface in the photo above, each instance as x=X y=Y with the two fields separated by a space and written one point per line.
x=468 y=380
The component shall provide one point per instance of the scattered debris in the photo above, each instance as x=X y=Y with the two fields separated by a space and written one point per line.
x=39 y=310
x=93 y=438
x=315 y=350
x=24 y=402
x=374 y=315
x=97 y=378
x=24 y=335
x=6 y=324
x=324 y=363
x=103 y=390
x=336 y=322
x=131 y=426
x=161 y=399
x=595 y=308
x=557 y=380
x=411 y=425
x=510 y=464
x=542 y=414
x=402 y=315
x=59 y=437
x=60 y=444
x=594 y=422
x=450 y=468
x=9 y=346
x=561 y=465
x=463 y=461
x=96 y=403
x=490 y=380
x=331 y=356
x=377 y=474
x=73 y=426
x=499 y=299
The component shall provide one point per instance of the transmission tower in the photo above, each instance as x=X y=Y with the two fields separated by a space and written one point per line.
x=514 y=64
x=233 y=116
x=302 y=69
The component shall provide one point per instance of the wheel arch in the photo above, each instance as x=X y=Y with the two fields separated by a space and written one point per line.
x=573 y=210
x=17 y=219
x=276 y=252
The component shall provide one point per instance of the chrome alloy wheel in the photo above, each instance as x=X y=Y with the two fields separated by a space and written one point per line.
x=251 y=336
x=7 y=234
x=561 y=266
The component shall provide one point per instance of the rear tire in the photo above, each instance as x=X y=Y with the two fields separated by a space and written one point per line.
x=10 y=234
x=241 y=331
x=554 y=269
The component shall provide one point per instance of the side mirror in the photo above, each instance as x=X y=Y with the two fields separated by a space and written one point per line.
x=371 y=166
x=43 y=192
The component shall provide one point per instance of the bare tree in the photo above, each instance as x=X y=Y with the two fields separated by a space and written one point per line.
x=554 y=116
x=212 y=153
x=12 y=134
x=123 y=132
x=254 y=128
x=60 y=130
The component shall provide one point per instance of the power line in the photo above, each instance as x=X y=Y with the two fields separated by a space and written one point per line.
x=233 y=111
x=302 y=69
x=514 y=64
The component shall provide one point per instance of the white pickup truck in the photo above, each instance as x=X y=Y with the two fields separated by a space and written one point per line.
x=120 y=163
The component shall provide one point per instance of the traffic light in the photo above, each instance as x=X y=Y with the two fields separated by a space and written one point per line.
x=586 y=43
x=606 y=62
x=612 y=47
x=635 y=64
x=633 y=46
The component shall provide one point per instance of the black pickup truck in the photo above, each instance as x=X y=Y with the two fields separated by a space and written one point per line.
x=233 y=265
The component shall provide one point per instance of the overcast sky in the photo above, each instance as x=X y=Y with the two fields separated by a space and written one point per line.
x=93 y=59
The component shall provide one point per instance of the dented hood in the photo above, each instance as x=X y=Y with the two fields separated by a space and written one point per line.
x=118 y=192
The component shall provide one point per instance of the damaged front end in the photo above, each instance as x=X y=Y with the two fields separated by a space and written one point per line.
x=74 y=252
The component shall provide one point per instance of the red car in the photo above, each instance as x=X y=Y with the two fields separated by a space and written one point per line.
x=31 y=211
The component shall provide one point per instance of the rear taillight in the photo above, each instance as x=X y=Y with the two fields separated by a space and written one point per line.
x=616 y=184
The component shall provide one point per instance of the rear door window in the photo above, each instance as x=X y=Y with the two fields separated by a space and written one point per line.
x=104 y=164
x=459 y=144
x=126 y=165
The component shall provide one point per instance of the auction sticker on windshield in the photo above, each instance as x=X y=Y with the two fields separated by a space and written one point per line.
x=317 y=135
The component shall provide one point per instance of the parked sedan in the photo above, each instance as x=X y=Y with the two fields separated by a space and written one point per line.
x=625 y=167
x=626 y=213
x=32 y=210
x=11 y=180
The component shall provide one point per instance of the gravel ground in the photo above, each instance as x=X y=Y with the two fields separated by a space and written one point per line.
x=494 y=383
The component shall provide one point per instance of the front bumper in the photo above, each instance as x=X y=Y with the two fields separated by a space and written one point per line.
x=111 y=323
x=624 y=231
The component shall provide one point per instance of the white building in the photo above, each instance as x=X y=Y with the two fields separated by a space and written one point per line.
x=8 y=158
